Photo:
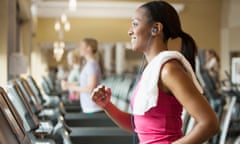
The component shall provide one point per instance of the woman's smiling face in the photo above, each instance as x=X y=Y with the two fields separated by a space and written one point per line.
x=140 y=30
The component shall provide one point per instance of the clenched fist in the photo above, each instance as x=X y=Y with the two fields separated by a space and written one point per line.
x=101 y=95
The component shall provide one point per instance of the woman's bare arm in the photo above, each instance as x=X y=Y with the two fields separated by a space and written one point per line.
x=102 y=95
x=175 y=78
x=92 y=83
x=122 y=119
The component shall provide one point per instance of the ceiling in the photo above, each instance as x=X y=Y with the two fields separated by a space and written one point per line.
x=88 y=8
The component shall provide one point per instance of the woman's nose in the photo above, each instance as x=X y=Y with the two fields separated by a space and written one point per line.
x=130 y=32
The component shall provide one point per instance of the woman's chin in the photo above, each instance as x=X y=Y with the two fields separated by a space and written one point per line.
x=134 y=48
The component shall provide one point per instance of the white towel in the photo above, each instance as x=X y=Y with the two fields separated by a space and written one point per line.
x=147 y=94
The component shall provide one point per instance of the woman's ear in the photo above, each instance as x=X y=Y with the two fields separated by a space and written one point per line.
x=157 y=28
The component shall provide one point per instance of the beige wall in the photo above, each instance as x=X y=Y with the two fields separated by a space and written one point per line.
x=105 y=30
x=199 y=18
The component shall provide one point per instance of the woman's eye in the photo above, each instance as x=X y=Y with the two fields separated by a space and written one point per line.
x=134 y=24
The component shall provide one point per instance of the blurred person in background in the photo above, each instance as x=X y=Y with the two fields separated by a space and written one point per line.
x=212 y=65
x=90 y=76
x=73 y=60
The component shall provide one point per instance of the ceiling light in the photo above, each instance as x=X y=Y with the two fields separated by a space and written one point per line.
x=72 y=5
x=57 y=26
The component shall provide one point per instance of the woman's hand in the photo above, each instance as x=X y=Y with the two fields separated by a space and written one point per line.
x=101 y=95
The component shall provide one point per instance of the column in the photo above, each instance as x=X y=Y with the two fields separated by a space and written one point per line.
x=120 y=58
x=108 y=61
x=3 y=41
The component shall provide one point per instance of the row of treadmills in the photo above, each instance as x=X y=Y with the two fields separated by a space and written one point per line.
x=27 y=116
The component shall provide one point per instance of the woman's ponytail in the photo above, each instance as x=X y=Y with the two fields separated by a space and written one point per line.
x=188 y=48
x=163 y=12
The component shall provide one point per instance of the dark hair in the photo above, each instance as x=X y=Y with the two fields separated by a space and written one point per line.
x=161 y=11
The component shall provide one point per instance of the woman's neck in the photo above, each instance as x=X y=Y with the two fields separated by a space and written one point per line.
x=154 y=50
x=89 y=58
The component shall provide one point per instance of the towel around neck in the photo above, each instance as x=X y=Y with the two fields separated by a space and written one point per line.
x=147 y=94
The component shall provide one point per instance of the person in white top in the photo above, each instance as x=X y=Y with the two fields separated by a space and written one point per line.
x=90 y=76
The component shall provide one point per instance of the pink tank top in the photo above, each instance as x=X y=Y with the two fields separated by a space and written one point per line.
x=161 y=124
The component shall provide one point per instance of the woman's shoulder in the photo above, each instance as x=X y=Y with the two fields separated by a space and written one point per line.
x=92 y=66
x=172 y=66
x=92 y=62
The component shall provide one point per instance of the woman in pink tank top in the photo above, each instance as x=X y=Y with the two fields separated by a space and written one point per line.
x=159 y=120
x=161 y=123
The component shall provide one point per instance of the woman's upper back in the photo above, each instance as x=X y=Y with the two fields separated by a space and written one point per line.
x=91 y=68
